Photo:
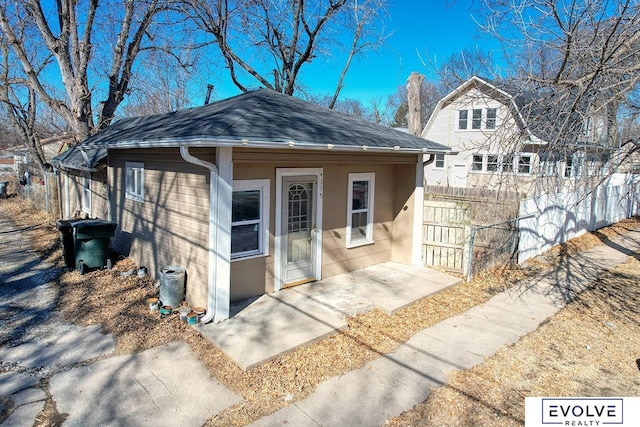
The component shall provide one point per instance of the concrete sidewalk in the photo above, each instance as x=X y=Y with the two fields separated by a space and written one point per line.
x=163 y=386
x=395 y=382
x=276 y=324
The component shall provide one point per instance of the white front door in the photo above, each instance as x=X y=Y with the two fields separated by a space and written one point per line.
x=298 y=218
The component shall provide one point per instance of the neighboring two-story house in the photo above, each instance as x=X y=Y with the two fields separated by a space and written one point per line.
x=506 y=139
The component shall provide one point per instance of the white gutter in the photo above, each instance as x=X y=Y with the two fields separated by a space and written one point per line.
x=265 y=143
x=213 y=229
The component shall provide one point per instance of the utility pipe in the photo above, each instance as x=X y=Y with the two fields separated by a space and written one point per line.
x=213 y=229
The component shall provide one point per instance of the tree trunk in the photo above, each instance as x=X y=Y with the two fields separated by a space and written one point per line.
x=414 y=116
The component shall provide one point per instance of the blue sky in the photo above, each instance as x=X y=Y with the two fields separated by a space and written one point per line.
x=433 y=29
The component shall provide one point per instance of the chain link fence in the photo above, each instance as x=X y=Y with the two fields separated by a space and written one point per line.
x=42 y=193
x=493 y=245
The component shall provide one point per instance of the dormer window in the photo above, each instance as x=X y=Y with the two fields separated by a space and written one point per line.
x=478 y=117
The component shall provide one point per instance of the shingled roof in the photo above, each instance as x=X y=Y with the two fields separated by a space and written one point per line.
x=260 y=118
x=81 y=158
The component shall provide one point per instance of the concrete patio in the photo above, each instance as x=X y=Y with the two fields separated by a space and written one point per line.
x=275 y=324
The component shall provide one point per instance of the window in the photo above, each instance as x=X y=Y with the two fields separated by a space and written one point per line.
x=439 y=162
x=86 y=193
x=568 y=167
x=463 y=115
x=477 y=164
x=491 y=118
x=524 y=164
x=477 y=118
x=492 y=163
x=507 y=163
x=134 y=181
x=250 y=218
x=360 y=209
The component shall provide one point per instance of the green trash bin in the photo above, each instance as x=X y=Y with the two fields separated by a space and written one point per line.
x=66 y=233
x=91 y=240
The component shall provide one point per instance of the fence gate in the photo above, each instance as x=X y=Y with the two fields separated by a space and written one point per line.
x=446 y=226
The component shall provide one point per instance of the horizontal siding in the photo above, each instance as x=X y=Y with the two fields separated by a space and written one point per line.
x=171 y=226
x=318 y=158
x=255 y=276
x=99 y=201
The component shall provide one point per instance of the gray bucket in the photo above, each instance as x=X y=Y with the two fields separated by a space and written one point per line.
x=172 y=285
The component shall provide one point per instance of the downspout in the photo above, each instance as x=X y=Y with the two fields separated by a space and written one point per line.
x=213 y=229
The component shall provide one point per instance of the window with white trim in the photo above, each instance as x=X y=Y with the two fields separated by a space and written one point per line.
x=463 y=115
x=524 y=164
x=491 y=118
x=507 y=163
x=250 y=218
x=480 y=119
x=476 y=122
x=439 y=161
x=360 y=209
x=134 y=181
x=86 y=193
x=568 y=167
x=492 y=163
x=478 y=163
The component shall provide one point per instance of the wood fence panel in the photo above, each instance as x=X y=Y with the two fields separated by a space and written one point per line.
x=444 y=237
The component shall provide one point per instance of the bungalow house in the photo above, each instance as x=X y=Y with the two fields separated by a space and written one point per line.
x=507 y=138
x=260 y=192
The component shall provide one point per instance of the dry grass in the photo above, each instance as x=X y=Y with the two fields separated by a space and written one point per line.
x=119 y=304
x=589 y=348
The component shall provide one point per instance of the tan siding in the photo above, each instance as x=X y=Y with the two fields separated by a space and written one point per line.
x=318 y=158
x=75 y=187
x=404 y=193
x=99 y=198
x=255 y=276
x=171 y=226
x=99 y=202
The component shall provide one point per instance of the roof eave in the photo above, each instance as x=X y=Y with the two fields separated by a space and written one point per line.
x=69 y=166
x=270 y=144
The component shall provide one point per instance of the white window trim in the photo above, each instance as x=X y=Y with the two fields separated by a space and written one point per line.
x=435 y=161
x=264 y=186
x=368 y=240
x=517 y=166
x=466 y=120
x=483 y=169
x=483 y=120
x=130 y=194
x=85 y=202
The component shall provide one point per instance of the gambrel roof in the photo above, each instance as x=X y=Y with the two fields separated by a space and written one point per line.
x=541 y=115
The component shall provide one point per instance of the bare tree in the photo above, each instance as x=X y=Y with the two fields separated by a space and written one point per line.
x=574 y=76
x=581 y=57
x=21 y=114
x=72 y=39
x=161 y=89
x=268 y=42
x=461 y=65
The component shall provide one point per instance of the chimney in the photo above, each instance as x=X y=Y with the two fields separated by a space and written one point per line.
x=414 y=120
x=209 y=89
